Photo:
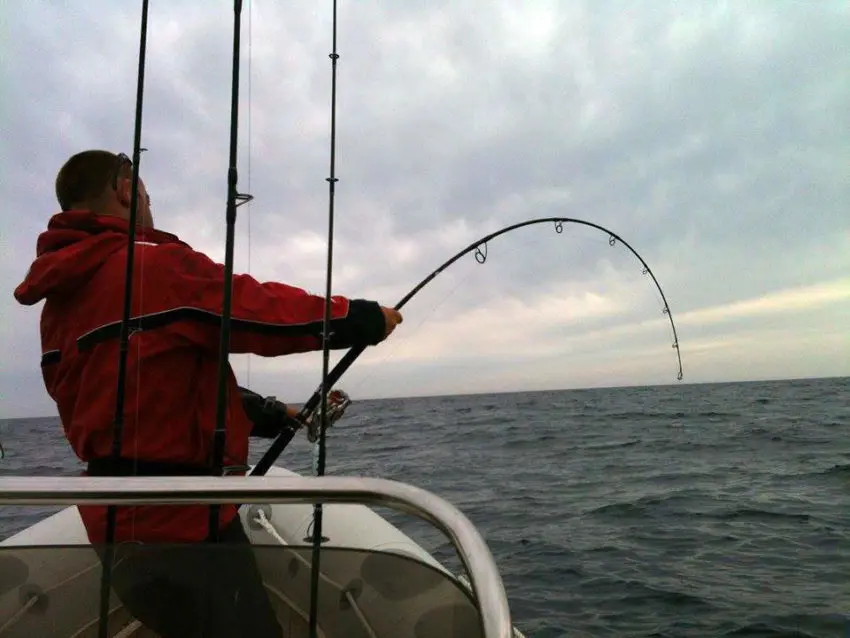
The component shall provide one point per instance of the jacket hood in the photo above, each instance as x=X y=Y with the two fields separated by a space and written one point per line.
x=70 y=251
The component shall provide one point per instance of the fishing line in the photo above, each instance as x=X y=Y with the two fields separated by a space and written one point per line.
x=393 y=348
x=323 y=408
x=396 y=344
x=512 y=292
x=118 y=422
x=481 y=249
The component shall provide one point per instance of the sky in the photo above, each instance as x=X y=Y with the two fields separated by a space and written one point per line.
x=713 y=137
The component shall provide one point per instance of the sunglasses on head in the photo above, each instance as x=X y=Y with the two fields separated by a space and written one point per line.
x=120 y=160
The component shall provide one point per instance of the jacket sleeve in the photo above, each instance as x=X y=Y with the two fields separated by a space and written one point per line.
x=268 y=318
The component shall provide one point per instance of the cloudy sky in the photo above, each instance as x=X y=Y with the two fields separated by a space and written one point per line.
x=711 y=136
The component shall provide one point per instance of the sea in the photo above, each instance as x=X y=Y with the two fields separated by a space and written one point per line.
x=683 y=510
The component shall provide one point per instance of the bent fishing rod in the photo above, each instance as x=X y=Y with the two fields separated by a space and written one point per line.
x=350 y=357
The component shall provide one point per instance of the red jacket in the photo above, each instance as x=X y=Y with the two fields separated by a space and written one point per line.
x=172 y=362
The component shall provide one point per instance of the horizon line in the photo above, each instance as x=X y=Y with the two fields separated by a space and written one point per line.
x=541 y=390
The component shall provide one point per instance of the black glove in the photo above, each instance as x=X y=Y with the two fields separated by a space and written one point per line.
x=266 y=413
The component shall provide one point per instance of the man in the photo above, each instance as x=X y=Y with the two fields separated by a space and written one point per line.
x=170 y=393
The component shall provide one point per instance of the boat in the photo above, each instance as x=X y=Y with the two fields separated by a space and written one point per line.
x=374 y=581
x=332 y=567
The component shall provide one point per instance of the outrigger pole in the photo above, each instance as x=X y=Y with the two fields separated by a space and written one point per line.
x=118 y=422
x=234 y=200
x=326 y=336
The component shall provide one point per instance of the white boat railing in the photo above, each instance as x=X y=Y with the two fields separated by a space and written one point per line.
x=486 y=582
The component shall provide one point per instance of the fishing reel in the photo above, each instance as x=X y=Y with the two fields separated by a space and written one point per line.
x=338 y=401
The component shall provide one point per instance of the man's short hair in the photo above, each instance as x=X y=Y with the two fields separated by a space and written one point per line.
x=85 y=176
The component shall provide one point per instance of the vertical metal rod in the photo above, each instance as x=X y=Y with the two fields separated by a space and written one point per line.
x=220 y=434
x=320 y=465
x=123 y=348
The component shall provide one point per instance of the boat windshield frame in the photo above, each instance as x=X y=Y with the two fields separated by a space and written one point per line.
x=485 y=580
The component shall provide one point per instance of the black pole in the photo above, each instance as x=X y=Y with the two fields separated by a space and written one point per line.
x=350 y=357
x=118 y=422
x=234 y=199
x=320 y=464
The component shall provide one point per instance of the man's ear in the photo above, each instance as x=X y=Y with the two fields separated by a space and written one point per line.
x=123 y=192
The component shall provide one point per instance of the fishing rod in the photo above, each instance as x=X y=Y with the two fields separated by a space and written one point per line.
x=320 y=444
x=234 y=200
x=288 y=433
x=124 y=338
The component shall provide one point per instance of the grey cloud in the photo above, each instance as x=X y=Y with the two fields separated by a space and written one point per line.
x=713 y=138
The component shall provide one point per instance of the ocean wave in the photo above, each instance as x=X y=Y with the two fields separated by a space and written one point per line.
x=613 y=594
x=797 y=626
x=752 y=514
x=644 y=505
